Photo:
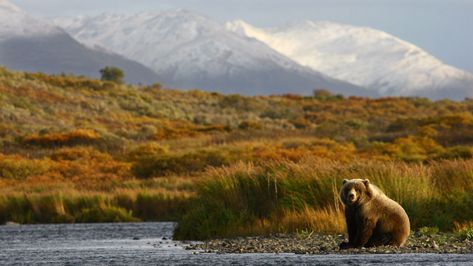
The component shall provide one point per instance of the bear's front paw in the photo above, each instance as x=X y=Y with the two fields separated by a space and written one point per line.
x=344 y=245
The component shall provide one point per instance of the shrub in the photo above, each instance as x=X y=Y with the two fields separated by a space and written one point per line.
x=322 y=94
x=16 y=167
x=250 y=124
x=70 y=81
x=185 y=163
x=79 y=153
x=302 y=123
x=428 y=231
x=239 y=103
x=464 y=230
x=76 y=137
x=113 y=74
x=144 y=151
x=460 y=152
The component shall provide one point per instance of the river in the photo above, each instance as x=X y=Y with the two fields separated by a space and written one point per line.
x=152 y=244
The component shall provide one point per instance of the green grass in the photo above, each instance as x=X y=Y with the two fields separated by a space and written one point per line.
x=83 y=207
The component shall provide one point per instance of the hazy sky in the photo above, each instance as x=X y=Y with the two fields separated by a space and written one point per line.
x=442 y=27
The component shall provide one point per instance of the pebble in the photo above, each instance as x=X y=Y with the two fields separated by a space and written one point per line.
x=12 y=224
x=328 y=244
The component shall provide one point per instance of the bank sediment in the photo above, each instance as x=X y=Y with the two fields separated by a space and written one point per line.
x=328 y=244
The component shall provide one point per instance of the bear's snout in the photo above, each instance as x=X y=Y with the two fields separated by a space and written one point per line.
x=351 y=196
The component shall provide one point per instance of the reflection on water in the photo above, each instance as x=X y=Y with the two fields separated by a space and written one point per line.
x=151 y=244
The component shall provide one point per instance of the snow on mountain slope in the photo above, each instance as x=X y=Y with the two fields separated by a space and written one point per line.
x=31 y=44
x=365 y=57
x=189 y=51
x=16 y=23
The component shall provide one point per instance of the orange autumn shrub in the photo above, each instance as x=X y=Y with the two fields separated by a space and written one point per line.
x=76 y=137
x=17 y=167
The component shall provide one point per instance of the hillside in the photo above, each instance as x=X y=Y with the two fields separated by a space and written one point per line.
x=33 y=102
x=79 y=150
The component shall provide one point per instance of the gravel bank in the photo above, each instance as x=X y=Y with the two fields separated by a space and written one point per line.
x=328 y=244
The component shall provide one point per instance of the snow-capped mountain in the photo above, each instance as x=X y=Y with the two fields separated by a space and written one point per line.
x=193 y=51
x=16 y=23
x=32 y=44
x=366 y=57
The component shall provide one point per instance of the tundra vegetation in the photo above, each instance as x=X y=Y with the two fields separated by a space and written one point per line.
x=73 y=149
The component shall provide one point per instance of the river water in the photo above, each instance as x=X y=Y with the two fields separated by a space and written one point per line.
x=151 y=244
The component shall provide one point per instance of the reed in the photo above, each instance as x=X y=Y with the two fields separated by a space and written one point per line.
x=292 y=196
x=69 y=206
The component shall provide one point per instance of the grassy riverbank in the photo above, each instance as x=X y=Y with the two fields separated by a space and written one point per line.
x=74 y=149
x=286 y=197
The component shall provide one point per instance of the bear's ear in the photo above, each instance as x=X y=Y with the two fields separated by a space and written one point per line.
x=345 y=181
x=369 y=189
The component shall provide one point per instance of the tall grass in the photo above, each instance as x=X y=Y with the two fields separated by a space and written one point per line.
x=245 y=199
x=75 y=206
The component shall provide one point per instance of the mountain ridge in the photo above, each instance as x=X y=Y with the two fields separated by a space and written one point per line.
x=31 y=44
x=367 y=57
x=193 y=51
x=17 y=23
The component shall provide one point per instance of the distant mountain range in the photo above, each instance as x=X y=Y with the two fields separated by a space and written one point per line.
x=32 y=44
x=185 y=50
x=366 y=57
x=192 y=51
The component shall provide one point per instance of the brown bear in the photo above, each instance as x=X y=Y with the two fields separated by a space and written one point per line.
x=372 y=218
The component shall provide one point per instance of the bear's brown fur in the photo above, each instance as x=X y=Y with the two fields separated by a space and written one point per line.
x=372 y=218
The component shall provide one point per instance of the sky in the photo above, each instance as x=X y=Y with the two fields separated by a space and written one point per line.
x=441 y=27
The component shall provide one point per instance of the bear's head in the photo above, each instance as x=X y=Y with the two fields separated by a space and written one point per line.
x=355 y=191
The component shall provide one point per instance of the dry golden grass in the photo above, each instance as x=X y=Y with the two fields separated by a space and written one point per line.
x=291 y=196
x=326 y=220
